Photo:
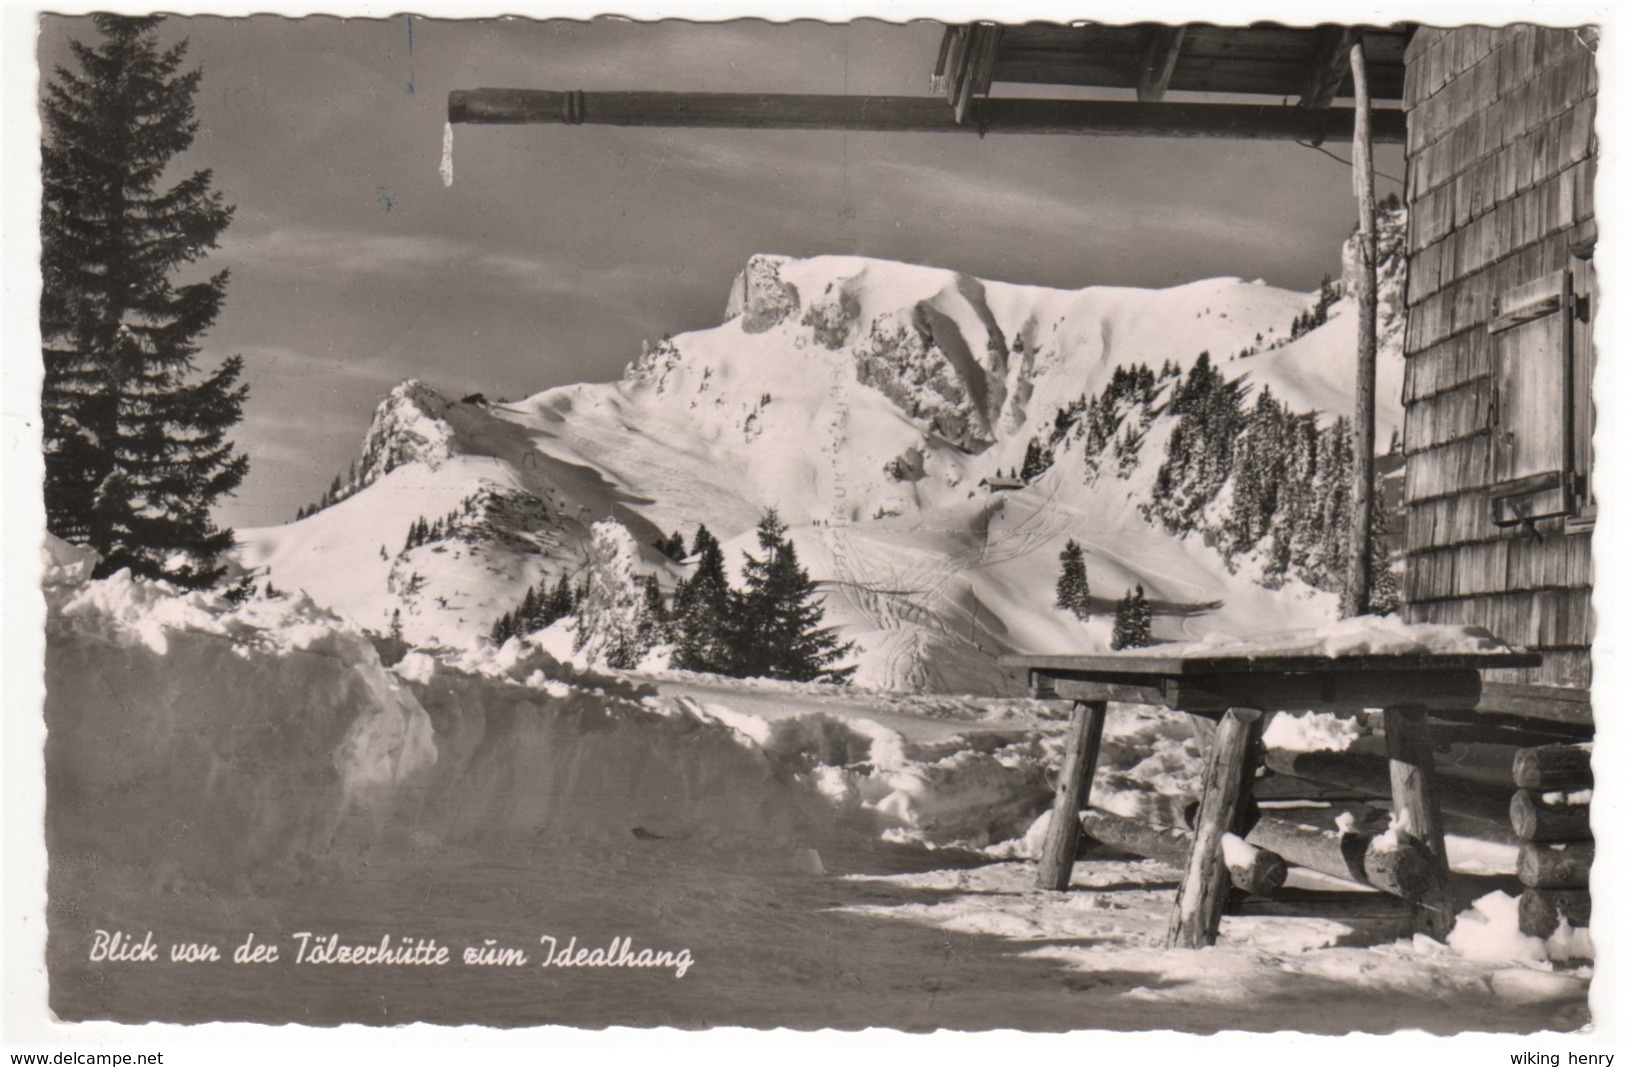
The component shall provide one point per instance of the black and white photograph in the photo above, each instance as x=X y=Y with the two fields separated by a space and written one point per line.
x=951 y=524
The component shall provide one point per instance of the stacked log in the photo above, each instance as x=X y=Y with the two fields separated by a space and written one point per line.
x=1253 y=870
x=1474 y=801
x=1551 y=815
x=1258 y=860
x=1379 y=862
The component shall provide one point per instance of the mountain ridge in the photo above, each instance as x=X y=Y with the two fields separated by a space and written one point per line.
x=867 y=401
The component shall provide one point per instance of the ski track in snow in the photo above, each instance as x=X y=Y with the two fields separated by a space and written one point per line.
x=904 y=599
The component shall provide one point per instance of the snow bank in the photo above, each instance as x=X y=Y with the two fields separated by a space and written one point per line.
x=210 y=741
x=201 y=741
x=969 y=792
x=1364 y=635
x=1488 y=933
x=274 y=736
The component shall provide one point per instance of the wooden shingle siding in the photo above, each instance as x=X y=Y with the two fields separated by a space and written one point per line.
x=1526 y=111
x=1461 y=518
x=1465 y=304
x=1569 y=668
x=1451 y=416
x=1516 y=110
x=1491 y=567
x=1541 y=618
x=1448 y=469
x=1472 y=242
x=1447 y=365
x=1500 y=180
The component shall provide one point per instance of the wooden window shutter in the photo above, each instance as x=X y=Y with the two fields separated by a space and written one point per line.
x=1532 y=408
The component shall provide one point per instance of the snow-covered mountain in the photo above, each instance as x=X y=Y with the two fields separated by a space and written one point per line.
x=869 y=402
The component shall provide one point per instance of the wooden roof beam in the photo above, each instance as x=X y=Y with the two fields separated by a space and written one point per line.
x=952 y=58
x=1157 y=65
x=974 y=76
x=1329 y=67
x=1101 y=118
x=940 y=73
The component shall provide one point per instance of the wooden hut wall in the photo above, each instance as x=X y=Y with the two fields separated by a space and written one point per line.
x=1500 y=171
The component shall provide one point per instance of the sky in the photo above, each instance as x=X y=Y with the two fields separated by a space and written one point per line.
x=558 y=251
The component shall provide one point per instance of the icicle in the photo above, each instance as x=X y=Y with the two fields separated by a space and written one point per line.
x=445 y=157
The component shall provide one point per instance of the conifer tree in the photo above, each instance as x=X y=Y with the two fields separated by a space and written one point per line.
x=1036 y=461
x=778 y=633
x=135 y=443
x=530 y=611
x=654 y=624
x=1131 y=628
x=1142 y=616
x=701 y=611
x=1072 y=589
x=561 y=601
x=753 y=625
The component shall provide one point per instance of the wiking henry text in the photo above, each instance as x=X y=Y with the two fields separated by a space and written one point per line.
x=330 y=949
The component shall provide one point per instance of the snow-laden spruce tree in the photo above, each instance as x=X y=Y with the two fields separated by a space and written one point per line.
x=777 y=626
x=136 y=450
x=1072 y=589
x=609 y=621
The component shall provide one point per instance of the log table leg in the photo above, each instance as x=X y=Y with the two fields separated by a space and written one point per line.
x=1226 y=789
x=1071 y=793
x=1416 y=812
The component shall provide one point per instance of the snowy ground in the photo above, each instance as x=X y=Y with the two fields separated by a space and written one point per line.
x=826 y=859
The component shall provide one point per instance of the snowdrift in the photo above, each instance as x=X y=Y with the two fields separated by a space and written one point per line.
x=214 y=741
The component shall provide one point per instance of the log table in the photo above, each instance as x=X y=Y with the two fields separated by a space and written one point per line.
x=1237 y=689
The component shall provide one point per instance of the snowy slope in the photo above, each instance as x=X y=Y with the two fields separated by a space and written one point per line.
x=867 y=401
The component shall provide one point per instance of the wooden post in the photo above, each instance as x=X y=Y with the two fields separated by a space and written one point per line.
x=1071 y=793
x=1226 y=786
x=1416 y=812
x=1357 y=579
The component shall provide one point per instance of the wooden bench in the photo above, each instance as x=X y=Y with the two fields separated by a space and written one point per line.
x=1237 y=690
